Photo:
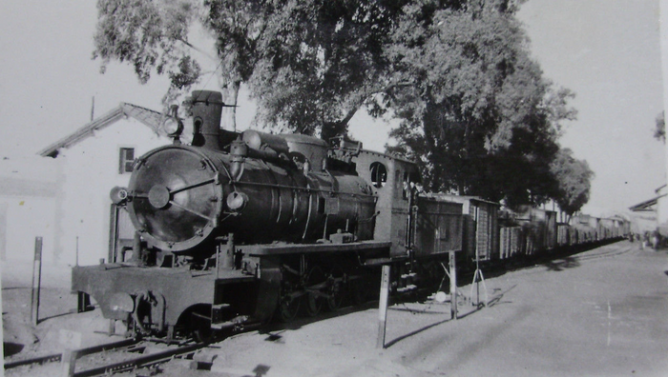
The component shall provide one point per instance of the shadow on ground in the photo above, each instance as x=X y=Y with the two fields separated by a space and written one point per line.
x=495 y=300
x=10 y=349
x=561 y=264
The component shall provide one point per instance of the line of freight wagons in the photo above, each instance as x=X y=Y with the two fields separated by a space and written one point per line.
x=499 y=234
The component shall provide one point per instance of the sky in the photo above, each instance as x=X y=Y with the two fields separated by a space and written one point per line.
x=606 y=51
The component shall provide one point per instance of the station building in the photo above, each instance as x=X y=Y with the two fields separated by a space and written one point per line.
x=645 y=215
x=62 y=194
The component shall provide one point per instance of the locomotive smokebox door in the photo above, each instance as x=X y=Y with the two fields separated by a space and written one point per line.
x=177 y=197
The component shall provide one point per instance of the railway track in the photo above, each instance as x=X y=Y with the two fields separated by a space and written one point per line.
x=112 y=358
x=604 y=253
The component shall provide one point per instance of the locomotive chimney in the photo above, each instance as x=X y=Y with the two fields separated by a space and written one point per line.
x=206 y=108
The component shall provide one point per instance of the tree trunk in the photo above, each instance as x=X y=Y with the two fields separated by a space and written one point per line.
x=339 y=127
x=228 y=120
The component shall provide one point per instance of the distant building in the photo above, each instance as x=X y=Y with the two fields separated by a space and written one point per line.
x=662 y=210
x=91 y=161
x=645 y=215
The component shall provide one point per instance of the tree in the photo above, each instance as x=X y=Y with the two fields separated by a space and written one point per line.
x=324 y=61
x=475 y=111
x=153 y=37
x=480 y=118
x=574 y=181
x=309 y=64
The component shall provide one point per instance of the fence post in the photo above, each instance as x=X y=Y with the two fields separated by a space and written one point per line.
x=382 y=305
x=453 y=286
x=36 y=282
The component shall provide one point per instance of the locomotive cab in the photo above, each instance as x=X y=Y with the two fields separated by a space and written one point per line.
x=392 y=179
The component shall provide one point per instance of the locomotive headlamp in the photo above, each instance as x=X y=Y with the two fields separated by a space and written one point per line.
x=173 y=127
x=119 y=195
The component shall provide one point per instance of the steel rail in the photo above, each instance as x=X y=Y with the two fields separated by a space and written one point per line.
x=35 y=360
x=81 y=352
x=141 y=361
x=604 y=254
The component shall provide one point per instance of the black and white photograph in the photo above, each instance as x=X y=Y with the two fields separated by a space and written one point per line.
x=297 y=188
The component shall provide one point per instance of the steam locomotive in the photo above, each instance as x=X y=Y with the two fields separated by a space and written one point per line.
x=238 y=228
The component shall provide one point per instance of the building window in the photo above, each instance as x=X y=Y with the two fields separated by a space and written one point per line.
x=127 y=160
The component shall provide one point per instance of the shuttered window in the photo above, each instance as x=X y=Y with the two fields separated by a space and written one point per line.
x=127 y=159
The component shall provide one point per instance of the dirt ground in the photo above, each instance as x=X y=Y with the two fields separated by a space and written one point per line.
x=584 y=315
x=58 y=326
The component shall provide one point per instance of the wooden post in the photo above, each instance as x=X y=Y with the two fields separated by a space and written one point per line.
x=453 y=286
x=382 y=305
x=112 y=327
x=36 y=281
x=68 y=361
x=229 y=258
x=219 y=249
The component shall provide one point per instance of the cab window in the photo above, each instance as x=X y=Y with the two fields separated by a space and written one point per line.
x=378 y=174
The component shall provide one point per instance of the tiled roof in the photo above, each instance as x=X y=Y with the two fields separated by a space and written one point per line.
x=149 y=118
x=646 y=205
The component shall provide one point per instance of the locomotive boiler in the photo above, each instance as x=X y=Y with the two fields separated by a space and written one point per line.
x=262 y=188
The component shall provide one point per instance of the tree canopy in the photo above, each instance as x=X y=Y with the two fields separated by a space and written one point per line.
x=475 y=110
x=481 y=119
x=309 y=64
x=573 y=177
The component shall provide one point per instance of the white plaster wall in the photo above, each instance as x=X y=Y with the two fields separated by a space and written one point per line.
x=90 y=172
x=27 y=218
x=27 y=207
x=662 y=213
x=642 y=222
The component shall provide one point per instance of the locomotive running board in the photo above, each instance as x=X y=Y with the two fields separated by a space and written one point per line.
x=280 y=249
